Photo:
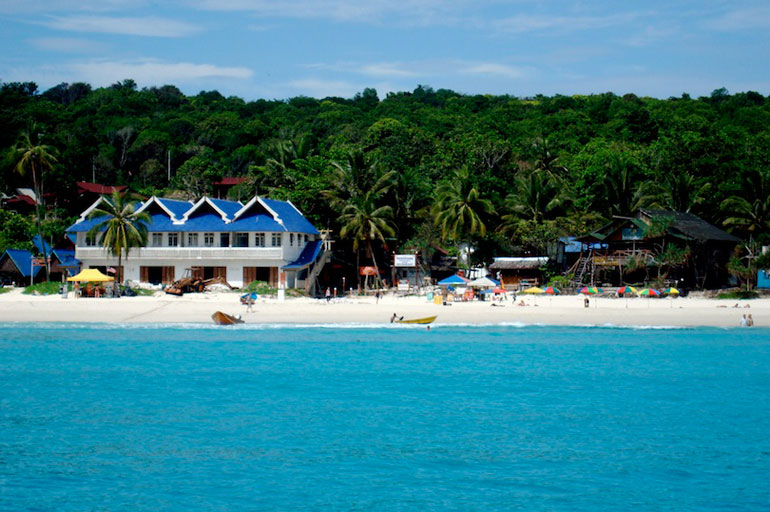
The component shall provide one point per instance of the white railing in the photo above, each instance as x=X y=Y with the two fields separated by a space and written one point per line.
x=184 y=253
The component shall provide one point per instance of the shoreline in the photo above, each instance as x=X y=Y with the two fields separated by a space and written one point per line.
x=541 y=310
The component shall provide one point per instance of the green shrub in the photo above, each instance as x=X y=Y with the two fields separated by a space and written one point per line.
x=47 y=288
x=738 y=295
x=6 y=289
x=261 y=287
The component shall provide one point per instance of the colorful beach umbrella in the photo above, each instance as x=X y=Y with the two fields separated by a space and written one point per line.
x=626 y=289
x=671 y=291
x=590 y=290
x=550 y=290
x=534 y=290
x=649 y=292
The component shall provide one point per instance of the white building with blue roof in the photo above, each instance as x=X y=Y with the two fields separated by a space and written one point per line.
x=259 y=240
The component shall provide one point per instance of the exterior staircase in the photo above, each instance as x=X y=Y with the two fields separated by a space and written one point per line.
x=311 y=282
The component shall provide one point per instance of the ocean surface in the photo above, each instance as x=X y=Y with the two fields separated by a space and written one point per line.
x=137 y=418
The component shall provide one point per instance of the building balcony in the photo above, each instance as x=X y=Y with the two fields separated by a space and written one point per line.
x=187 y=253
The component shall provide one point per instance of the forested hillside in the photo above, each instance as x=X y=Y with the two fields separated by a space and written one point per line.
x=421 y=168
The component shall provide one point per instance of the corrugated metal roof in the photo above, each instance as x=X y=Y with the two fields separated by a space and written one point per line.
x=692 y=226
x=204 y=219
x=306 y=257
x=292 y=219
x=22 y=259
x=518 y=263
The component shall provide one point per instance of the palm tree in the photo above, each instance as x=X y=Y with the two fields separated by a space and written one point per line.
x=679 y=191
x=750 y=212
x=537 y=196
x=122 y=228
x=35 y=158
x=458 y=208
x=356 y=177
x=364 y=221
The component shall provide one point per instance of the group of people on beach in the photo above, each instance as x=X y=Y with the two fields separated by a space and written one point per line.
x=747 y=320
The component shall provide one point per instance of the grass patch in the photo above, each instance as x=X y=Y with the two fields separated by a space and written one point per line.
x=143 y=292
x=47 y=288
x=738 y=295
x=261 y=287
x=5 y=289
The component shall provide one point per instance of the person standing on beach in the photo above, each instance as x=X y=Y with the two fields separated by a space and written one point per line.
x=744 y=321
x=749 y=320
x=377 y=297
x=328 y=295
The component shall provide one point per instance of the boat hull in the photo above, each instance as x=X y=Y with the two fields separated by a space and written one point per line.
x=225 y=319
x=426 y=320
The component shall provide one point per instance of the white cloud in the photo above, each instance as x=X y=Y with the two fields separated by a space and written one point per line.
x=416 y=12
x=67 y=45
x=742 y=19
x=319 y=88
x=522 y=23
x=153 y=72
x=147 y=26
x=385 y=69
x=491 y=68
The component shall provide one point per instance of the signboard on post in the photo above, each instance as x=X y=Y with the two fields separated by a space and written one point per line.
x=405 y=260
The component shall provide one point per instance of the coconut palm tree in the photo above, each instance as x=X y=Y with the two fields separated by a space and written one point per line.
x=537 y=196
x=458 y=208
x=35 y=158
x=121 y=228
x=750 y=212
x=365 y=221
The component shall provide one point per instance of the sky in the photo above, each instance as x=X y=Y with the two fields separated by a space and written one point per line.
x=256 y=49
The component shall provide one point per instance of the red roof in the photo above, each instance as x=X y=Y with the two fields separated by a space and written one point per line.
x=96 y=188
x=231 y=181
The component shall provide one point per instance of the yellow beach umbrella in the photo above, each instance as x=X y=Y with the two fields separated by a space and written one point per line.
x=90 y=275
x=534 y=290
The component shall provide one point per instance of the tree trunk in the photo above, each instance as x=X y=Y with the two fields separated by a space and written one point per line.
x=377 y=279
x=358 y=270
x=119 y=272
x=38 y=201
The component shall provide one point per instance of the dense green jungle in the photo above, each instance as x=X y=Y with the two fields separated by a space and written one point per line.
x=406 y=172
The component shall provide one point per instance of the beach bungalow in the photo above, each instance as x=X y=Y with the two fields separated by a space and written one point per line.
x=519 y=272
x=16 y=267
x=263 y=240
x=630 y=247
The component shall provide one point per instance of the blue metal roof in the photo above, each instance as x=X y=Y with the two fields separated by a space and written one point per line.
x=207 y=220
x=306 y=257
x=178 y=208
x=229 y=207
x=22 y=260
x=292 y=220
x=66 y=258
x=39 y=246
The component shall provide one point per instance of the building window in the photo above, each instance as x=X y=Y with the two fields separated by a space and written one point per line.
x=224 y=240
x=90 y=240
x=173 y=239
x=259 y=239
x=192 y=239
x=305 y=238
x=241 y=240
x=276 y=240
x=208 y=239
x=157 y=239
x=291 y=239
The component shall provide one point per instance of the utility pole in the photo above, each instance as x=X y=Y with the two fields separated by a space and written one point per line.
x=168 y=166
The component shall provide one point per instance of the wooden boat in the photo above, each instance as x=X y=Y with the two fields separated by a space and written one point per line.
x=225 y=319
x=426 y=320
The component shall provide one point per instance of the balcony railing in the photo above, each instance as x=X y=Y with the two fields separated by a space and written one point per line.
x=173 y=253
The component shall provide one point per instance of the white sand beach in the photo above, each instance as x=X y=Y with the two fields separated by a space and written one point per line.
x=560 y=310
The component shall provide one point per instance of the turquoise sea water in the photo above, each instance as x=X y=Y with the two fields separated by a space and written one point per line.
x=371 y=418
